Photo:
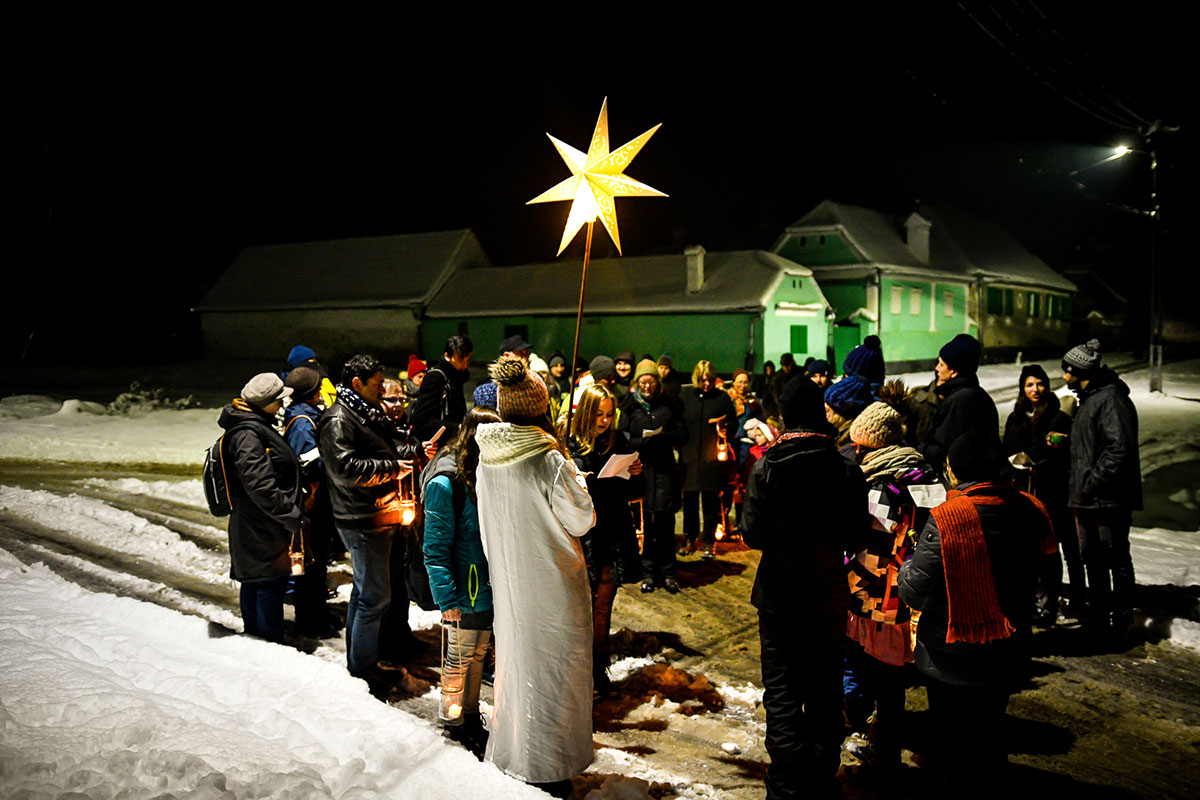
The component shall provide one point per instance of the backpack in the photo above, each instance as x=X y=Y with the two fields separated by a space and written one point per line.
x=217 y=475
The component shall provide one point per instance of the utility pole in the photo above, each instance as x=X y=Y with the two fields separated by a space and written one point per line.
x=1156 y=282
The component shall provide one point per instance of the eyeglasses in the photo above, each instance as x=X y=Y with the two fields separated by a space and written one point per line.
x=391 y=399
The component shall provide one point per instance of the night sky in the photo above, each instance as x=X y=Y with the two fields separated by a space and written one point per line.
x=152 y=159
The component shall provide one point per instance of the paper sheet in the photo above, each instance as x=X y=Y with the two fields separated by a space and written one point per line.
x=618 y=466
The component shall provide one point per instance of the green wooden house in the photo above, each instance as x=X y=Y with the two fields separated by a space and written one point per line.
x=918 y=281
x=733 y=308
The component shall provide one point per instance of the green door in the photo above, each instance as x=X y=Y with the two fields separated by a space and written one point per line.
x=845 y=339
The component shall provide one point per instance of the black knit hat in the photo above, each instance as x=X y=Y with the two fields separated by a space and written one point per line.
x=801 y=403
x=1083 y=360
x=962 y=354
x=975 y=456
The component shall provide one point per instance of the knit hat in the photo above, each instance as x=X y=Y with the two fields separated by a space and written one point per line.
x=520 y=393
x=299 y=355
x=665 y=360
x=415 y=366
x=878 y=425
x=485 y=395
x=303 y=381
x=975 y=456
x=263 y=389
x=962 y=353
x=1083 y=360
x=818 y=367
x=627 y=356
x=537 y=364
x=865 y=362
x=602 y=367
x=556 y=359
x=849 y=396
x=645 y=367
x=800 y=403
x=753 y=424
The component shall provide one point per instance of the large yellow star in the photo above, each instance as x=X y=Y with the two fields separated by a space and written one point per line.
x=596 y=178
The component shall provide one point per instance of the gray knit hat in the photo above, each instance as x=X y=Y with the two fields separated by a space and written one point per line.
x=879 y=425
x=263 y=389
x=1083 y=360
x=520 y=393
x=303 y=381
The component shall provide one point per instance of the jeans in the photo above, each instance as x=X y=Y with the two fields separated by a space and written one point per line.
x=370 y=550
x=262 y=607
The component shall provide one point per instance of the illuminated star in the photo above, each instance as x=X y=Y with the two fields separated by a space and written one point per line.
x=596 y=178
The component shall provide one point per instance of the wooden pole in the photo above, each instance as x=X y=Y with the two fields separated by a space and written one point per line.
x=587 y=254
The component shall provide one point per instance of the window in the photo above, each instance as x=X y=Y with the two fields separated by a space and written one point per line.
x=1009 y=301
x=799 y=339
x=464 y=328
x=948 y=304
x=995 y=301
x=1034 y=304
x=517 y=330
x=820 y=240
x=803 y=241
x=914 y=300
x=897 y=299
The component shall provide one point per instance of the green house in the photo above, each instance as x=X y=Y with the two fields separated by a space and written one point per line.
x=733 y=308
x=918 y=281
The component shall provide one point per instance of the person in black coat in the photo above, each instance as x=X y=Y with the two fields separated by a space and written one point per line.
x=267 y=515
x=653 y=419
x=1038 y=428
x=705 y=475
x=440 y=401
x=971 y=576
x=963 y=405
x=805 y=505
x=1105 y=488
x=610 y=548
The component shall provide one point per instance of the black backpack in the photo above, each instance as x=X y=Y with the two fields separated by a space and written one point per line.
x=218 y=475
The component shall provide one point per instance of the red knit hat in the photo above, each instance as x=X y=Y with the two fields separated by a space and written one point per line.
x=415 y=366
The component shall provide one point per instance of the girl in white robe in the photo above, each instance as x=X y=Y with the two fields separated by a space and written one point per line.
x=533 y=507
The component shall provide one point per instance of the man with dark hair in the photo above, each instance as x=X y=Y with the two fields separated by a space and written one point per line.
x=963 y=405
x=804 y=505
x=1104 y=489
x=365 y=457
x=440 y=400
x=972 y=576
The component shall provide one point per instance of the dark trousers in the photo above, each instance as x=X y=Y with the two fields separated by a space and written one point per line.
x=692 y=503
x=312 y=587
x=395 y=634
x=1050 y=570
x=1104 y=547
x=262 y=607
x=603 y=595
x=881 y=685
x=658 y=546
x=967 y=727
x=802 y=695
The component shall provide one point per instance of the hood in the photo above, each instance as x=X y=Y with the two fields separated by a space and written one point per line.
x=238 y=411
x=444 y=463
x=793 y=447
x=297 y=409
x=1105 y=378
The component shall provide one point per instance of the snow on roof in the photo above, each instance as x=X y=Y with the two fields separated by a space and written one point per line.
x=959 y=244
x=401 y=270
x=734 y=280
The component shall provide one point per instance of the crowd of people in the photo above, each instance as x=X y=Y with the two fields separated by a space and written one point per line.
x=897 y=527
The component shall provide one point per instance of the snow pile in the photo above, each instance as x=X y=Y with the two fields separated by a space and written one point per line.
x=187 y=492
x=105 y=696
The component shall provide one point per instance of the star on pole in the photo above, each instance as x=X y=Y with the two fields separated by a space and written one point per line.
x=596 y=178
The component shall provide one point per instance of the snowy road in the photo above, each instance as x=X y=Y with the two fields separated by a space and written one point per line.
x=102 y=693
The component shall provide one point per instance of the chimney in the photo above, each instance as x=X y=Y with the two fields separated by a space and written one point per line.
x=916 y=234
x=695 y=268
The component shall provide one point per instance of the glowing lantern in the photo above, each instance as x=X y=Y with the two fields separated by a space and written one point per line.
x=408 y=505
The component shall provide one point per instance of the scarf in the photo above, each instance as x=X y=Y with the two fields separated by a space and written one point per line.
x=642 y=399
x=504 y=443
x=974 y=608
x=356 y=403
x=893 y=461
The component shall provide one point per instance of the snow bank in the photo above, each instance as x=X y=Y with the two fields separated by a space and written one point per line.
x=186 y=492
x=104 y=695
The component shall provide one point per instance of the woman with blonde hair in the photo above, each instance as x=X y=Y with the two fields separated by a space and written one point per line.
x=610 y=548
x=711 y=421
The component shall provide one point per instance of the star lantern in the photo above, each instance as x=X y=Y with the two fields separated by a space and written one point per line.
x=596 y=178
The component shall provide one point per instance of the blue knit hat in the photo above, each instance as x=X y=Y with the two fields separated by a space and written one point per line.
x=849 y=396
x=485 y=395
x=299 y=355
x=866 y=362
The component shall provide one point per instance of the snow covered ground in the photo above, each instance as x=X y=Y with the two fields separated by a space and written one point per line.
x=105 y=695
